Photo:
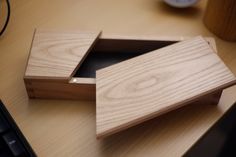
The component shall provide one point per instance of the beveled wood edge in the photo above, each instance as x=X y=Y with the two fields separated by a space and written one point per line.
x=30 y=49
x=86 y=54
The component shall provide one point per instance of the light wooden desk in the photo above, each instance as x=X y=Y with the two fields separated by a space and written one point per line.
x=67 y=128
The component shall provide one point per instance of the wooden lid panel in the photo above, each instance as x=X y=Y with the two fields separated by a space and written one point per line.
x=58 y=54
x=141 y=88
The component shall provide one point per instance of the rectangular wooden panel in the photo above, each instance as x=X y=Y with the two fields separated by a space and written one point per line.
x=141 y=88
x=58 y=54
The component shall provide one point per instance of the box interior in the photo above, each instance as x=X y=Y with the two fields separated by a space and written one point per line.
x=107 y=52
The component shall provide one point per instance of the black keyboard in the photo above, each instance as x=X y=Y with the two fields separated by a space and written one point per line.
x=12 y=141
x=219 y=140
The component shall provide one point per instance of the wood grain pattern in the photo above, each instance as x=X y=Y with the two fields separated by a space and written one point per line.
x=57 y=54
x=220 y=18
x=141 y=88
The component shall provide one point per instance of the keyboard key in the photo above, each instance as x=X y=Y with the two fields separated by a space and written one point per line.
x=4 y=150
x=5 y=154
x=3 y=124
x=12 y=141
x=14 y=144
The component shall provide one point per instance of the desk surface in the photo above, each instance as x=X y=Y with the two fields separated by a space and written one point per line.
x=67 y=128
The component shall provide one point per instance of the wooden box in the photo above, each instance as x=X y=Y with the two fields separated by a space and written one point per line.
x=133 y=79
x=44 y=80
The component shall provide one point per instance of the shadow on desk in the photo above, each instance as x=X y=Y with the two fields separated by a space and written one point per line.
x=159 y=131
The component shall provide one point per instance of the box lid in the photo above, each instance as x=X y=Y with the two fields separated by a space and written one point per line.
x=144 y=87
x=58 y=54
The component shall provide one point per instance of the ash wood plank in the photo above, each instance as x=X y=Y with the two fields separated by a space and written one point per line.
x=58 y=54
x=144 y=87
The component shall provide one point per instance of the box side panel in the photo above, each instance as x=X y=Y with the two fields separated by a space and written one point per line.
x=57 y=89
